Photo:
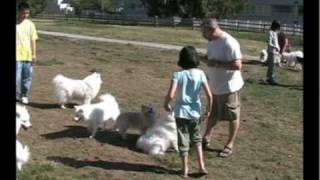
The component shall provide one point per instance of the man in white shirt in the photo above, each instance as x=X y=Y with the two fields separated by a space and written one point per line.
x=225 y=79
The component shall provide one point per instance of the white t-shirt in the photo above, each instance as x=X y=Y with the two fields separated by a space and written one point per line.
x=223 y=81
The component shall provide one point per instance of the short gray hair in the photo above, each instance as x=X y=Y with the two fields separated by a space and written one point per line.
x=210 y=23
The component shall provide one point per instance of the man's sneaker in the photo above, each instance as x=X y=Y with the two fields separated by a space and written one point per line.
x=25 y=100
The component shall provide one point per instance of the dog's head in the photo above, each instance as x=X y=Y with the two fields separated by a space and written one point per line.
x=148 y=110
x=79 y=113
x=97 y=77
x=23 y=117
x=94 y=78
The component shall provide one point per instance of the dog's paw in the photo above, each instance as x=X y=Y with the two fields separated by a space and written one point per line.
x=62 y=106
x=91 y=137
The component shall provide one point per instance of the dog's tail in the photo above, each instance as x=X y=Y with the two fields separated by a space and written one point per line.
x=107 y=97
x=58 y=79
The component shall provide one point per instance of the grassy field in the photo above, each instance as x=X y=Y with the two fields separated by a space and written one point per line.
x=269 y=145
x=251 y=43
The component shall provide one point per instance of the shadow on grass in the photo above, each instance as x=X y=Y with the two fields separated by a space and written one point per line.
x=253 y=62
x=43 y=105
x=122 y=166
x=102 y=136
x=70 y=132
x=290 y=86
x=49 y=106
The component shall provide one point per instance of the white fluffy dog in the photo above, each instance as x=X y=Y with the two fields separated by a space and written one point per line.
x=98 y=114
x=291 y=58
x=138 y=120
x=22 y=154
x=263 y=55
x=72 y=90
x=161 y=136
x=22 y=118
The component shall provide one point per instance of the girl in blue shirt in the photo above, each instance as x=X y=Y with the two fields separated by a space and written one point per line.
x=186 y=86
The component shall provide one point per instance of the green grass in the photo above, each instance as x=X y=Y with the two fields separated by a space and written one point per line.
x=50 y=62
x=251 y=42
x=269 y=145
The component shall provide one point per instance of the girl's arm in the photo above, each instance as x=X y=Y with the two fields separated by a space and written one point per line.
x=171 y=94
x=209 y=98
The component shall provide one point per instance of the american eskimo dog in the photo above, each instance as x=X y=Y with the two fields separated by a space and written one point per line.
x=161 y=136
x=97 y=114
x=73 y=90
x=138 y=120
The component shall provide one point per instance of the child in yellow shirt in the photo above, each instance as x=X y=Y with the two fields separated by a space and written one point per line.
x=26 y=36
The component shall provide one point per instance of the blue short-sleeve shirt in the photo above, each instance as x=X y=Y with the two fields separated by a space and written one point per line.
x=188 y=103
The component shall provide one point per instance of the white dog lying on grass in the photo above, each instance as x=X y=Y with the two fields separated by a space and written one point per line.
x=138 y=120
x=22 y=154
x=22 y=118
x=73 y=90
x=161 y=136
x=291 y=59
x=98 y=114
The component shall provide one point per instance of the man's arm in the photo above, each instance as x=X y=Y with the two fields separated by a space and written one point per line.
x=228 y=65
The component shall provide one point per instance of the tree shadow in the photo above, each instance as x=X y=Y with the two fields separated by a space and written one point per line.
x=118 y=166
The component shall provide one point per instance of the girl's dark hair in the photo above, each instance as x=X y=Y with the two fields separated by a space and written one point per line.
x=275 y=25
x=23 y=6
x=188 y=58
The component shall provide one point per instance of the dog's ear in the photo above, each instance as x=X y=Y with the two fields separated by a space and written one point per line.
x=96 y=70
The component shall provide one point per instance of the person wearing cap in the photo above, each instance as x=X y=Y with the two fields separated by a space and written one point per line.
x=224 y=73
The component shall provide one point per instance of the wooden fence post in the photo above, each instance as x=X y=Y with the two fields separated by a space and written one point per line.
x=260 y=26
x=156 y=22
x=237 y=25
x=193 y=23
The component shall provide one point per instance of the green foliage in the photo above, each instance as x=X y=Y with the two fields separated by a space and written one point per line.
x=36 y=6
x=103 y=5
x=194 y=8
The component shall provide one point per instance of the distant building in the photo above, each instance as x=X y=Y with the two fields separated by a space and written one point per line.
x=131 y=8
x=58 y=6
x=286 y=11
x=52 y=7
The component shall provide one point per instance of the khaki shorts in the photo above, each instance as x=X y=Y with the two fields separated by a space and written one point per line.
x=226 y=107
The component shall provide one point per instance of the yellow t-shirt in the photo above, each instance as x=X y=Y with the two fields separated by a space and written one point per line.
x=25 y=32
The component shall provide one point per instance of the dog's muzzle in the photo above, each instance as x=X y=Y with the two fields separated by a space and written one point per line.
x=77 y=118
x=25 y=127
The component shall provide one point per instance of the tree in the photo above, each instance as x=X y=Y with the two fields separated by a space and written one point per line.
x=194 y=8
x=36 y=6
x=223 y=8
x=101 y=5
